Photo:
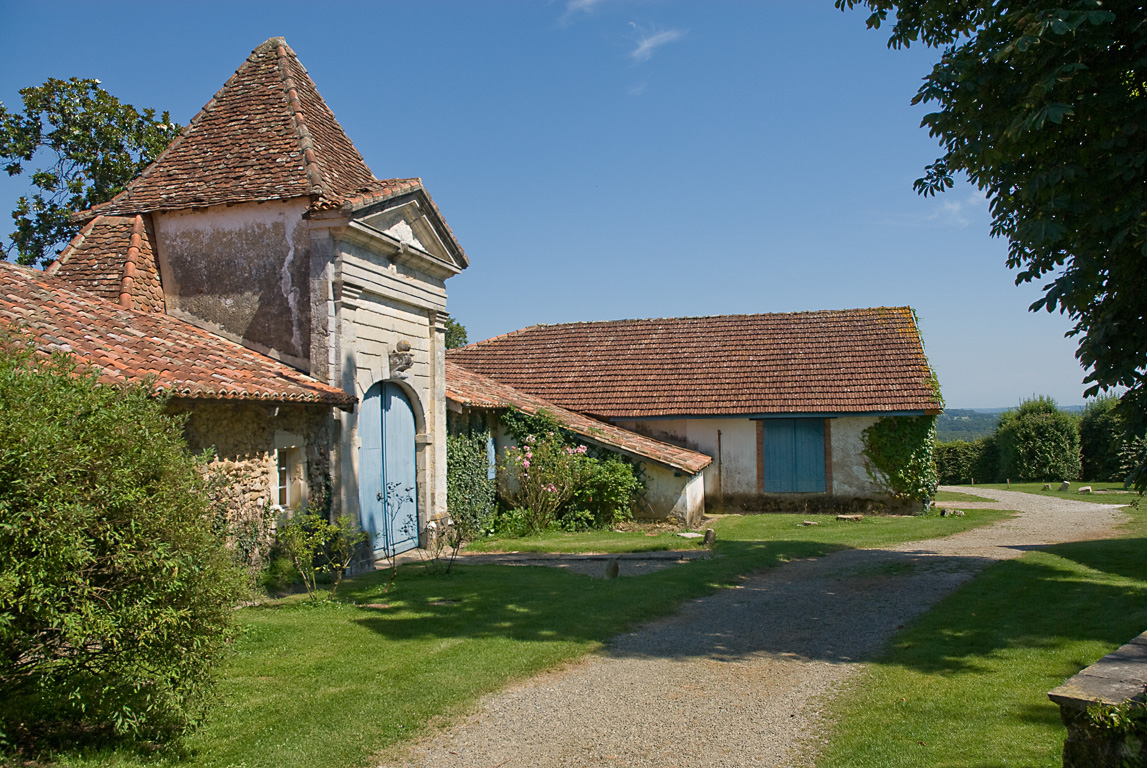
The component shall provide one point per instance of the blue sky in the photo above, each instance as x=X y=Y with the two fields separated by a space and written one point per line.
x=605 y=159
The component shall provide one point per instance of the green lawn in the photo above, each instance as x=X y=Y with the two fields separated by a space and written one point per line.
x=1113 y=492
x=591 y=541
x=966 y=685
x=332 y=685
x=957 y=496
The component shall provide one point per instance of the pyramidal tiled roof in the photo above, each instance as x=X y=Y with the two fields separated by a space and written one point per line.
x=127 y=345
x=267 y=134
x=114 y=258
x=839 y=361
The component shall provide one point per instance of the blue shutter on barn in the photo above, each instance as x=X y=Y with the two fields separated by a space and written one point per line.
x=793 y=455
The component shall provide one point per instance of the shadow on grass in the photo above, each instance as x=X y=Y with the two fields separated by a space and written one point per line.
x=840 y=610
x=541 y=603
x=1057 y=596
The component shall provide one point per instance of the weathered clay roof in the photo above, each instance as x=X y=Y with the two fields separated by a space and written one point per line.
x=128 y=345
x=266 y=135
x=114 y=258
x=845 y=361
x=472 y=389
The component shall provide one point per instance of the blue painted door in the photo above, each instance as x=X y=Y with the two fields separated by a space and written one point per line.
x=388 y=487
x=793 y=452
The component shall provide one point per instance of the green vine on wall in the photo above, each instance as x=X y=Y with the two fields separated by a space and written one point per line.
x=898 y=453
x=1126 y=722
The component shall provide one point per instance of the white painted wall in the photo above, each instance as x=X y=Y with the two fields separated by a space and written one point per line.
x=849 y=477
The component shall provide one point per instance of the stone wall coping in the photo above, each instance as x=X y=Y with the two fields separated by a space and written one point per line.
x=1117 y=677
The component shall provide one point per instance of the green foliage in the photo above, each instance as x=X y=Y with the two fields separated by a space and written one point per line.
x=317 y=547
x=605 y=494
x=554 y=479
x=116 y=596
x=1123 y=725
x=455 y=334
x=1133 y=464
x=521 y=425
x=960 y=462
x=898 y=452
x=1037 y=441
x=1101 y=437
x=97 y=145
x=541 y=476
x=511 y=523
x=469 y=489
x=1043 y=105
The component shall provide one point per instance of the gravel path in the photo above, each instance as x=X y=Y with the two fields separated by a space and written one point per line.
x=736 y=679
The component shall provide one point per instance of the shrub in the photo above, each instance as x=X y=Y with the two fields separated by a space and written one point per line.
x=1101 y=437
x=960 y=461
x=319 y=548
x=540 y=476
x=606 y=492
x=469 y=489
x=1038 y=442
x=116 y=596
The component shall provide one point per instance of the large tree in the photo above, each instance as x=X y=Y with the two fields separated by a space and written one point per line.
x=1043 y=105
x=94 y=146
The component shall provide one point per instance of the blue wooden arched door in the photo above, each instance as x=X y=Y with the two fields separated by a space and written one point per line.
x=388 y=473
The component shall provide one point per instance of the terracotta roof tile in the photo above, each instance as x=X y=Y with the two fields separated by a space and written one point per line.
x=132 y=345
x=114 y=258
x=267 y=134
x=472 y=389
x=845 y=361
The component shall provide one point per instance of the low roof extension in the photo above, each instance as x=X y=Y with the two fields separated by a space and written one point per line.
x=471 y=389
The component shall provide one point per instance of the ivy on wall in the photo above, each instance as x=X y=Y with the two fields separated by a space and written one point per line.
x=469 y=488
x=898 y=453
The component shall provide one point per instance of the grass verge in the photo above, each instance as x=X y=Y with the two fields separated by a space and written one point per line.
x=957 y=496
x=1106 y=493
x=966 y=685
x=329 y=686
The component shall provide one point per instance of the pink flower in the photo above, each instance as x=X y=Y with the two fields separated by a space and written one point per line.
x=526 y=464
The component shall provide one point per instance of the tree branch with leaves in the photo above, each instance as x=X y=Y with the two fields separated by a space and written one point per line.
x=92 y=146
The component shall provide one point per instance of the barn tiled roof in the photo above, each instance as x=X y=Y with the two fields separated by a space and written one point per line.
x=845 y=361
x=131 y=345
x=266 y=135
x=469 y=388
x=114 y=258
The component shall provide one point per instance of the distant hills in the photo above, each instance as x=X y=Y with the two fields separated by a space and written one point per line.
x=971 y=423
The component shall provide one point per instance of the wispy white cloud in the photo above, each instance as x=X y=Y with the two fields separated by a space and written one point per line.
x=959 y=212
x=576 y=8
x=648 y=42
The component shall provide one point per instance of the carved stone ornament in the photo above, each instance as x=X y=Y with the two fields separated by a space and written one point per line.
x=401 y=358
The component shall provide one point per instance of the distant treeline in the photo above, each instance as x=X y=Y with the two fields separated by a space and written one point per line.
x=958 y=424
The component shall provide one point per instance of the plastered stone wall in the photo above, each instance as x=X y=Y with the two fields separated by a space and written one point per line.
x=243 y=272
x=243 y=437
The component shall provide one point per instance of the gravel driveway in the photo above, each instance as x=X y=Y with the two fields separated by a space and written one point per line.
x=737 y=678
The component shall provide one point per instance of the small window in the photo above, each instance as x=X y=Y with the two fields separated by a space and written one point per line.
x=284 y=478
x=288 y=485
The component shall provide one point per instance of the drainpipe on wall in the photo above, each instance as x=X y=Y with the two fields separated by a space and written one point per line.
x=720 y=480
